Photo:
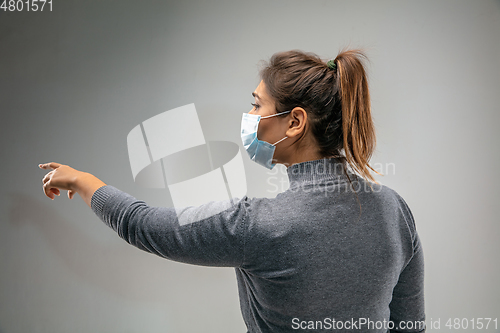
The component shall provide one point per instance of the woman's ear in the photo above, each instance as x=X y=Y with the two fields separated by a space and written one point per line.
x=297 y=123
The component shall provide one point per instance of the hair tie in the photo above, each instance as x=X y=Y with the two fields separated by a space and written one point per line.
x=331 y=64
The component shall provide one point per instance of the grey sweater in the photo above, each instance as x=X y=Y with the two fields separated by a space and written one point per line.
x=307 y=260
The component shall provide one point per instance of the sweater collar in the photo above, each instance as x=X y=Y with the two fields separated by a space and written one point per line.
x=316 y=171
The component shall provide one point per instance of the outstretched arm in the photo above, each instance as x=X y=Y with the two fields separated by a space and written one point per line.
x=64 y=177
x=212 y=234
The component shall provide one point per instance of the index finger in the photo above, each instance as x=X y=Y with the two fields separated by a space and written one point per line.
x=51 y=165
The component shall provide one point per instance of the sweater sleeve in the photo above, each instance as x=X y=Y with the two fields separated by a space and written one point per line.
x=212 y=234
x=407 y=305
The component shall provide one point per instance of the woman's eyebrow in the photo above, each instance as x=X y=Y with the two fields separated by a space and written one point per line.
x=256 y=96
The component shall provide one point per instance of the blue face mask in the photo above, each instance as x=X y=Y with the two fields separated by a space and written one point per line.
x=261 y=152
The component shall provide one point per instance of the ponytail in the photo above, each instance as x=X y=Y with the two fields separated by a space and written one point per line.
x=357 y=125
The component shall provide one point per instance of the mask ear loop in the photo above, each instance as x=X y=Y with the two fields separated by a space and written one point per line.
x=276 y=114
x=280 y=141
x=273 y=115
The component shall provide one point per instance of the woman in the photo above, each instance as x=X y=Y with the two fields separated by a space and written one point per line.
x=336 y=251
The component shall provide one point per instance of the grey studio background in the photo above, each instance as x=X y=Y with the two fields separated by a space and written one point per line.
x=75 y=81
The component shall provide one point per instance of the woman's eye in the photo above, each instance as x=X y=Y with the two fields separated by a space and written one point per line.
x=255 y=106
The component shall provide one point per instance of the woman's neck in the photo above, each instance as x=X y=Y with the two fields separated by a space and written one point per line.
x=300 y=156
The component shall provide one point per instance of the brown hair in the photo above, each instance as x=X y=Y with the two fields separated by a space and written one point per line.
x=337 y=102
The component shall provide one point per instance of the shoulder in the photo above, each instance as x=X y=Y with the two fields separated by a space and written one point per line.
x=402 y=209
x=384 y=193
x=401 y=204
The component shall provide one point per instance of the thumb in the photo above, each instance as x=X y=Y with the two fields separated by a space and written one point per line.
x=71 y=194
